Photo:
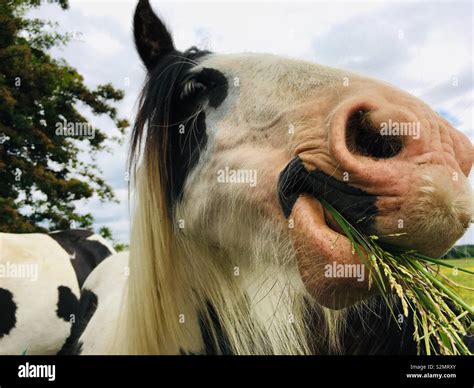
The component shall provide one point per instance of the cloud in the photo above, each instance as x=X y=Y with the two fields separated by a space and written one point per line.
x=114 y=216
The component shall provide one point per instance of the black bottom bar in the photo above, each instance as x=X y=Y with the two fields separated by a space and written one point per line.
x=163 y=371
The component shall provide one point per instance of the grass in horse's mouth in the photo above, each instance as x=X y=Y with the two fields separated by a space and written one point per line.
x=439 y=327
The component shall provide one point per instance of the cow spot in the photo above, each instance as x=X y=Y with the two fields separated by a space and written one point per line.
x=68 y=304
x=8 y=310
x=87 y=305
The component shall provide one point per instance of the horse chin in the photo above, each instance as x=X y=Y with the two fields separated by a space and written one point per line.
x=332 y=272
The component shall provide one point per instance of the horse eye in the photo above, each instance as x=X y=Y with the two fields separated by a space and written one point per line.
x=191 y=89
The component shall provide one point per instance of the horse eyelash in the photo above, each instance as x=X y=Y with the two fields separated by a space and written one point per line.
x=190 y=87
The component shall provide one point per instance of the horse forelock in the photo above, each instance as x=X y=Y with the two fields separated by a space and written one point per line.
x=156 y=140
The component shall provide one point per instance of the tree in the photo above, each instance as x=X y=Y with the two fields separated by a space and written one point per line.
x=460 y=252
x=41 y=130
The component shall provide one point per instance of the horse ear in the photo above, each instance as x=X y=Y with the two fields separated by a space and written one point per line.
x=152 y=39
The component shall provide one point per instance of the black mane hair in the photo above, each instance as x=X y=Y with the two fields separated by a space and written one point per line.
x=168 y=126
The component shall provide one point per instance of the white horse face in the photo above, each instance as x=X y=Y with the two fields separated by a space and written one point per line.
x=251 y=144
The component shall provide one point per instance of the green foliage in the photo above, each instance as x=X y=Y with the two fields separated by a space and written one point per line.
x=120 y=247
x=460 y=252
x=106 y=233
x=41 y=175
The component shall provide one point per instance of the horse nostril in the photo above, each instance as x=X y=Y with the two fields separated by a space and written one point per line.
x=364 y=138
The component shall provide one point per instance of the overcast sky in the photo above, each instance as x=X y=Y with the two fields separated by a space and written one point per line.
x=425 y=48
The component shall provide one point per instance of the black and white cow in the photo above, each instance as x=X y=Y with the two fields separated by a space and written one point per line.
x=40 y=280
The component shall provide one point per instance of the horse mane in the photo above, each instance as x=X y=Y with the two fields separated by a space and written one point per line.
x=150 y=311
x=178 y=286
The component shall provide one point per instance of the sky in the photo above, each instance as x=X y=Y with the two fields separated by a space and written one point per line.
x=425 y=48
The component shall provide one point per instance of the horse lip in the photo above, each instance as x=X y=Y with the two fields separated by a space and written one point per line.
x=332 y=223
x=295 y=180
x=319 y=246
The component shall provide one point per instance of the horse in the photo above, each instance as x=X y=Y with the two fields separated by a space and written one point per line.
x=231 y=159
x=40 y=279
